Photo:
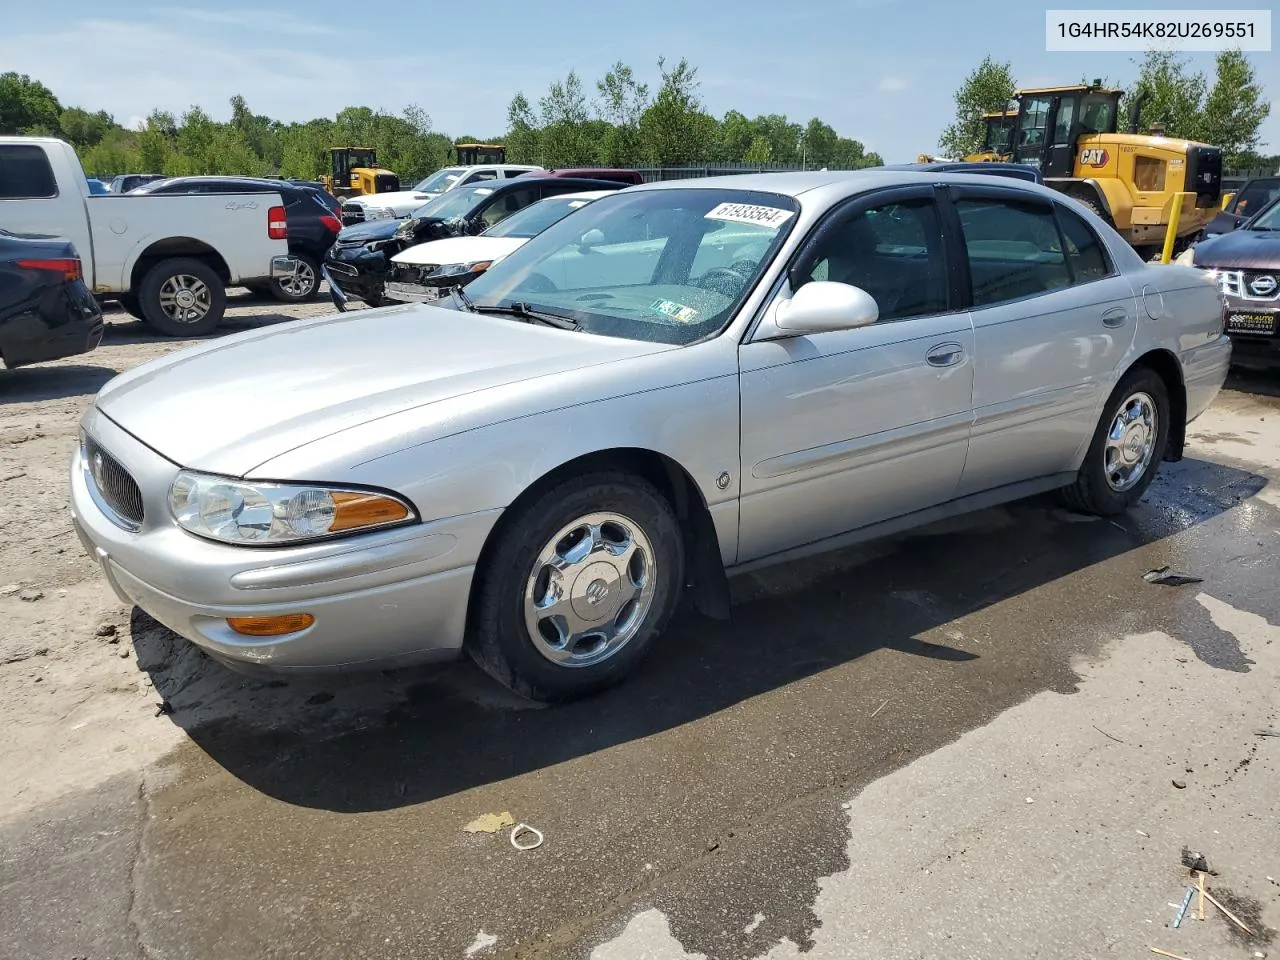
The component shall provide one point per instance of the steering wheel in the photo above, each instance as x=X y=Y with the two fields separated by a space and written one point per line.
x=722 y=280
x=537 y=283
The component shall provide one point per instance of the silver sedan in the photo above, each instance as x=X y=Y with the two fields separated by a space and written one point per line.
x=677 y=382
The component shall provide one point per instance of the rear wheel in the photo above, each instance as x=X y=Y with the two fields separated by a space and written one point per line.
x=1127 y=446
x=583 y=579
x=301 y=285
x=182 y=298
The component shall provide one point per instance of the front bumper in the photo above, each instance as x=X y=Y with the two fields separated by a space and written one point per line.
x=1250 y=319
x=358 y=272
x=381 y=599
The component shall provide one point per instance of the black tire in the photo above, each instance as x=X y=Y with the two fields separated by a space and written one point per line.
x=182 y=270
x=129 y=303
x=500 y=640
x=1093 y=204
x=305 y=288
x=1092 y=491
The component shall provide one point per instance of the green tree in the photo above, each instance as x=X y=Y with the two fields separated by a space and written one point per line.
x=675 y=130
x=1172 y=96
x=736 y=137
x=27 y=105
x=522 y=139
x=760 y=151
x=83 y=129
x=563 y=139
x=622 y=102
x=988 y=88
x=1235 y=108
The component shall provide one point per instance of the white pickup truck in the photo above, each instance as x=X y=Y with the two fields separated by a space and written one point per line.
x=167 y=259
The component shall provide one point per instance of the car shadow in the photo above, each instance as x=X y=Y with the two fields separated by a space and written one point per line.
x=1259 y=377
x=373 y=742
x=124 y=329
x=34 y=383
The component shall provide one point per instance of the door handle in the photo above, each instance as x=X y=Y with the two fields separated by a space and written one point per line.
x=945 y=355
x=1114 y=317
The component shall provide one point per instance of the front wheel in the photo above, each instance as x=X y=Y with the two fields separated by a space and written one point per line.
x=1127 y=446
x=582 y=579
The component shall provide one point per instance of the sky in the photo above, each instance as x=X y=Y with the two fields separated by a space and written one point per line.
x=880 y=71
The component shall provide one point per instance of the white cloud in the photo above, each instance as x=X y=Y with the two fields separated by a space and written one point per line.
x=245 y=18
x=892 y=85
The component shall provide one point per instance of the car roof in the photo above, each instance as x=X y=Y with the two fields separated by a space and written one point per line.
x=584 y=195
x=830 y=185
x=522 y=183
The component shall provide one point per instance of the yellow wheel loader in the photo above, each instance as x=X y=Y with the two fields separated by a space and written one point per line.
x=1130 y=179
x=355 y=172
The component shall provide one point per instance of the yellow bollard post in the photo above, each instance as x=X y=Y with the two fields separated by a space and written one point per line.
x=1172 y=233
x=1226 y=200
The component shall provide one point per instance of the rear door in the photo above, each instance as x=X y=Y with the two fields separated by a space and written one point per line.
x=1052 y=318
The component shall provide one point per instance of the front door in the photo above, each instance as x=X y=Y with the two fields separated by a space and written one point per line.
x=1060 y=158
x=846 y=428
x=1030 y=138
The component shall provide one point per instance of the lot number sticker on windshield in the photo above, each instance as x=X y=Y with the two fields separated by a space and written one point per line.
x=674 y=311
x=751 y=213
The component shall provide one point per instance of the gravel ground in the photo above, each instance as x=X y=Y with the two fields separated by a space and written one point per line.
x=74 y=702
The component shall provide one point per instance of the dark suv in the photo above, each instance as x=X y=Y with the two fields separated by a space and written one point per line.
x=312 y=216
x=1248 y=201
x=357 y=265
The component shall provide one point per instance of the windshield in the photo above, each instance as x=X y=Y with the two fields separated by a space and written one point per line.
x=668 y=265
x=532 y=220
x=455 y=203
x=440 y=181
x=1268 y=219
x=150 y=186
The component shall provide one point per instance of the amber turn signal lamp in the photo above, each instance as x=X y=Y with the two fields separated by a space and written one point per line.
x=271 y=626
x=355 y=510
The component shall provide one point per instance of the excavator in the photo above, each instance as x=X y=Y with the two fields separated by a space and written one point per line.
x=1129 y=179
x=355 y=172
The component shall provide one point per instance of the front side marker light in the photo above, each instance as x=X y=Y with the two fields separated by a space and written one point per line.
x=276 y=626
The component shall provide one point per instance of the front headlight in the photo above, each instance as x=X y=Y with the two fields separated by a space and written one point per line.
x=406 y=229
x=445 y=271
x=267 y=514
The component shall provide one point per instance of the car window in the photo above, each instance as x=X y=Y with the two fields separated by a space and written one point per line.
x=893 y=251
x=508 y=203
x=1086 y=255
x=479 y=175
x=1254 y=197
x=1014 y=249
x=666 y=266
x=533 y=219
x=439 y=181
x=25 y=173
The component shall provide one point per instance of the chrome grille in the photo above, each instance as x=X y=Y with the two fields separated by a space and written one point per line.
x=1250 y=284
x=113 y=484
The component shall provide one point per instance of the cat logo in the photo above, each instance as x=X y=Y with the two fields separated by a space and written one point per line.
x=1093 y=157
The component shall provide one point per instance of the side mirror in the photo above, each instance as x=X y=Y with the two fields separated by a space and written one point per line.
x=590 y=239
x=823 y=305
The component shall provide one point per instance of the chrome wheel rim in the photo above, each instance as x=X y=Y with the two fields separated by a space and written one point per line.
x=591 y=588
x=301 y=282
x=185 y=299
x=1131 y=442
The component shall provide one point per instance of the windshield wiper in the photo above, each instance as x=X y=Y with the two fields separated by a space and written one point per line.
x=460 y=297
x=522 y=310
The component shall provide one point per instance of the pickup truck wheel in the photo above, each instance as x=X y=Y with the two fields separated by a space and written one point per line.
x=301 y=285
x=579 y=583
x=182 y=298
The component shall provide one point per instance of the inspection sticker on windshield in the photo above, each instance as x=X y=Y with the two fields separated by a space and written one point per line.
x=675 y=311
x=751 y=213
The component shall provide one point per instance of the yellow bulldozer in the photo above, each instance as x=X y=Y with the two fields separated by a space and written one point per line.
x=355 y=171
x=1132 y=180
x=997 y=140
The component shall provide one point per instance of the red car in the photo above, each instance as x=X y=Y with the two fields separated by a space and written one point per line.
x=590 y=173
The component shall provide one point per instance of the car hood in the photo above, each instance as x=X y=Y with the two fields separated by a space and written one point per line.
x=399 y=198
x=230 y=405
x=1241 y=249
x=367 y=232
x=460 y=250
